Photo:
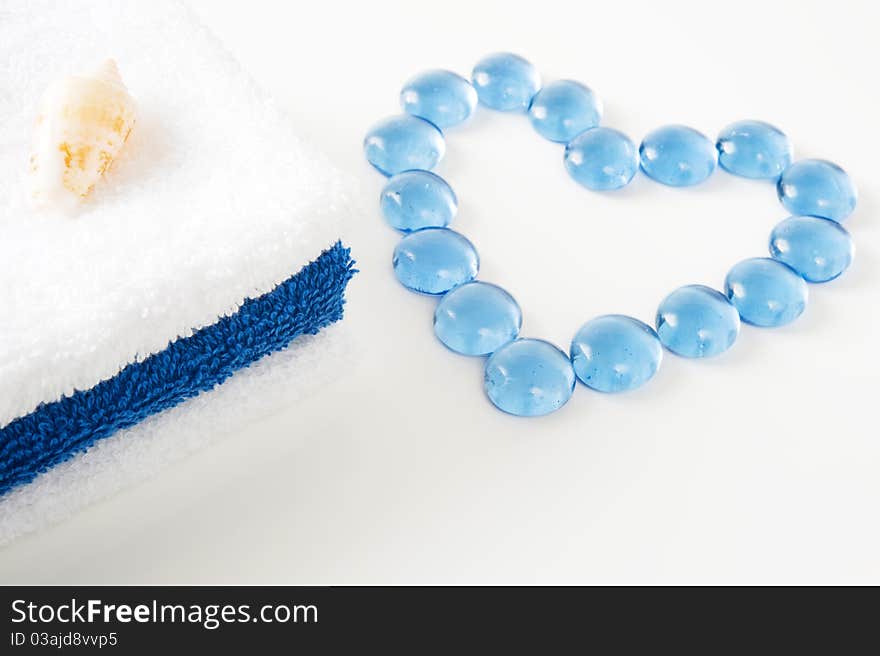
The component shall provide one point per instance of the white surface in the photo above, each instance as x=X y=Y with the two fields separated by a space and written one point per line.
x=760 y=466
x=214 y=198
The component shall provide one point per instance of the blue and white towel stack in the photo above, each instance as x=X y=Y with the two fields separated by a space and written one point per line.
x=212 y=245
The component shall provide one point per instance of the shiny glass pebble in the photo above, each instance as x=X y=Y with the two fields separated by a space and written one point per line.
x=818 y=249
x=677 y=156
x=529 y=377
x=442 y=97
x=766 y=292
x=477 y=318
x=754 y=149
x=696 y=321
x=505 y=82
x=601 y=159
x=404 y=142
x=817 y=188
x=562 y=110
x=434 y=260
x=615 y=353
x=417 y=199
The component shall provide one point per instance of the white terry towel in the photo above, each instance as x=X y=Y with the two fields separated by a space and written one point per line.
x=214 y=200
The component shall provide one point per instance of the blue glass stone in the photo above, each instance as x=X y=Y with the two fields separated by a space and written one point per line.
x=477 y=318
x=818 y=249
x=442 y=97
x=696 y=321
x=404 y=142
x=562 y=110
x=418 y=199
x=601 y=159
x=505 y=82
x=766 y=292
x=615 y=353
x=529 y=377
x=754 y=149
x=817 y=188
x=434 y=260
x=677 y=156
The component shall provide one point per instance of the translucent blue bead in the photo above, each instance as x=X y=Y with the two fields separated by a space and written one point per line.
x=434 y=260
x=754 y=149
x=562 y=110
x=818 y=249
x=477 y=318
x=677 y=156
x=418 y=199
x=766 y=292
x=404 y=142
x=442 y=97
x=615 y=353
x=529 y=377
x=696 y=321
x=506 y=82
x=601 y=159
x=817 y=188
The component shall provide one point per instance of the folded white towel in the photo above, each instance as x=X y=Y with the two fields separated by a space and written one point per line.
x=215 y=199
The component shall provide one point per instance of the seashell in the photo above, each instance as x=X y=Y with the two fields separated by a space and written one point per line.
x=82 y=124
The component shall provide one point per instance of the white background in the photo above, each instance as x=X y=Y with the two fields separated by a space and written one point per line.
x=762 y=466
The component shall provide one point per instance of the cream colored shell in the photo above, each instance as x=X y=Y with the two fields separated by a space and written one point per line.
x=82 y=124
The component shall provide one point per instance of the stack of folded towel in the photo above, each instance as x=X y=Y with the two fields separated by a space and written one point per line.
x=210 y=246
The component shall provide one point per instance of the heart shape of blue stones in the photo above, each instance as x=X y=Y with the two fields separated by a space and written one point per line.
x=611 y=353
